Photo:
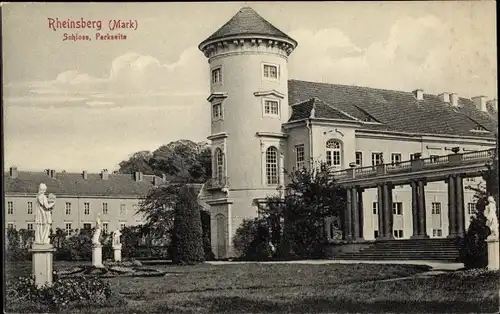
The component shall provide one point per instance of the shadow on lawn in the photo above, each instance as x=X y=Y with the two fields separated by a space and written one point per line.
x=336 y=305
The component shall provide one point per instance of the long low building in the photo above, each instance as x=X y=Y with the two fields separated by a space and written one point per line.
x=80 y=197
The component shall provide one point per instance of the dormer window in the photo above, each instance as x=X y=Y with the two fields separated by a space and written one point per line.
x=270 y=71
x=217 y=75
x=480 y=128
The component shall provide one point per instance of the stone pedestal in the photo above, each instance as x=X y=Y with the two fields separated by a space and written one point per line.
x=117 y=249
x=42 y=263
x=493 y=254
x=97 y=255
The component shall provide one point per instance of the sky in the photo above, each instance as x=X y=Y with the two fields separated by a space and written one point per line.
x=87 y=105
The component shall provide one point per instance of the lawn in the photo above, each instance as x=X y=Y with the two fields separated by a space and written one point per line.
x=299 y=288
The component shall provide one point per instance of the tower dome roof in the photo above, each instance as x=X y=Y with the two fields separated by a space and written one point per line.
x=247 y=22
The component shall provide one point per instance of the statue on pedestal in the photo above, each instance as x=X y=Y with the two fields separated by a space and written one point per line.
x=490 y=212
x=43 y=215
x=98 y=230
x=116 y=237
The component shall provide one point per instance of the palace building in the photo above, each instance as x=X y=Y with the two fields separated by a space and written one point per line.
x=262 y=123
x=79 y=198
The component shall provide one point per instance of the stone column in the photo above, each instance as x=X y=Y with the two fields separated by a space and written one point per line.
x=348 y=217
x=388 y=215
x=97 y=255
x=452 y=219
x=422 y=213
x=117 y=250
x=414 y=209
x=355 y=214
x=361 y=212
x=460 y=211
x=42 y=263
x=380 y=196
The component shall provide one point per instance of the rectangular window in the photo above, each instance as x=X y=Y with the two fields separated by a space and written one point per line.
x=30 y=208
x=29 y=226
x=69 y=230
x=11 y=226
x=299 y=156
x=436 y=208
x=68 y=208
x=377 y=159
x=271 y=108
x=105 y=226
x=395 y=158
x=375 y=208
x=216 y=75
x=470 y=179
x=375 y=234
x=86 y=208
x=104 y=208
x=123 y=209
x=217 y=111
x=471 y=208
x=397 y=208
x=87 y=226
x=398 y=234
x=270 y=71
x=122 y=226
x=437 y=232
x=412 y=156
x=10 y=208
x=359 y=159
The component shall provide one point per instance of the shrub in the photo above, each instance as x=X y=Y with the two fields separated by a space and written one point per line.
x=187 y=246
x=64 y=293
x=474 y=253
x=252 y=240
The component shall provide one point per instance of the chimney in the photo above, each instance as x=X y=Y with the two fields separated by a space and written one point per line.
x=480 y=102
x=104 y=174
x=52 y=174
x=13 y=172
x=454 y=99
x=493 y=104
x=85 y=175
x=445 y=97
x=419 y=94
x=138 y=176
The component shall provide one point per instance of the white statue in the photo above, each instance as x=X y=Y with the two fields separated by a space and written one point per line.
x=116 y=237
x=43 y=215
x=490 y=212
x=98 y=230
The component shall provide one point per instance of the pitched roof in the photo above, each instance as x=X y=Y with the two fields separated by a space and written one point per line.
x=396 y=110
x=248 y=22
x=75 y=184
x=317 y=108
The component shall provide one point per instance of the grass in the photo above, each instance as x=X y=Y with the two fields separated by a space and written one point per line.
x=299 y=288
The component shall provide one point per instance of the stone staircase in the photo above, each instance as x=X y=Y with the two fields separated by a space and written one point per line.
x=446 y=250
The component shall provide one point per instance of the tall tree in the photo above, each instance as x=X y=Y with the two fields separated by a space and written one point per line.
x=137 y=162
x=187 y=242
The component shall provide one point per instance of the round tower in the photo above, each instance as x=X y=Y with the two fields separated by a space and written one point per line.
x=249 y=103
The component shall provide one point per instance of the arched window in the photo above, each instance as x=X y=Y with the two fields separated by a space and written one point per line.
x=333 y=153
x=219 y=164
x=272 y=165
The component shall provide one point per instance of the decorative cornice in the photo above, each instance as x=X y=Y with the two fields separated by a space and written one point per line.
x=216 y=95
x=219 y=201
x=269 y=92
x=217 y=136
x=254 y=39
x=271 y=134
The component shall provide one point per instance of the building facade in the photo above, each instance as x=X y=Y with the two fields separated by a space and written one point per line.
x=262 y=124
x=80 y=197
